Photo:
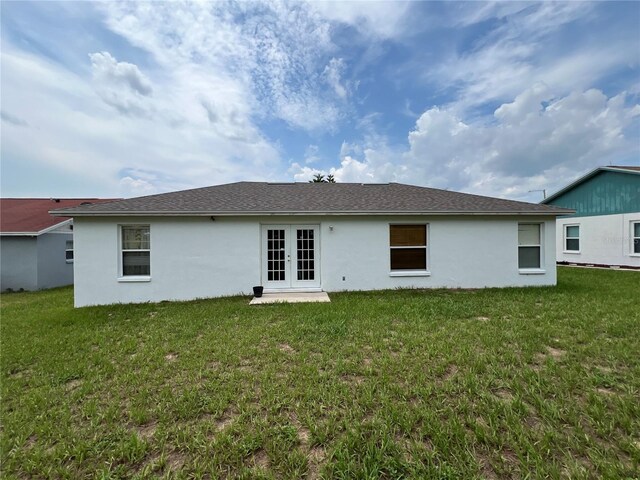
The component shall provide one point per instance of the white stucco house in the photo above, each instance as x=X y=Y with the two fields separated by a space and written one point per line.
x=225 y=239
x=604 y=230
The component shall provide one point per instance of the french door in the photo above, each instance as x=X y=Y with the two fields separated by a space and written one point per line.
x=290 y=256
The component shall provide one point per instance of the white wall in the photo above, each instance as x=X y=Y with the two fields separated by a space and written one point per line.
x=196 y=257
x=190 y=258
x=604 y=239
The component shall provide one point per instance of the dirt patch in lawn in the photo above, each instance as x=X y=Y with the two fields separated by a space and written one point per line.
x=304 y=434
x=72 y=384
x=504 y=394
x=483 y=319
x=147 y=430
x=541 y=357
x=260 y=460
x=352 y=379
x=555 y=352
x=604 y=369
x=20 y=373
x=486 y=469
x=449 y=373
x=31 y=441
x=175 y=461
x=286 y=348
x=171 y=357
x=605 y=391
x=225 y=420
x=246 y=365
x=315 y=459
x=367 y=362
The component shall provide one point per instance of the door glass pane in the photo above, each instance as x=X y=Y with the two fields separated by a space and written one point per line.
x=408 y=259
x=528 y=234
x=529 y=257
x=275 y=255
x=304 y=252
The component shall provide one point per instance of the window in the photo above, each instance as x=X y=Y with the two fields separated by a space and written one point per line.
x=635 y=237
x=408 y=247
x=68 y=252
x=136 y=249
x=572 y=238
x=529 y=246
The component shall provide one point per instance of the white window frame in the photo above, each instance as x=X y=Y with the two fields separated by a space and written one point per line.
x=632 y=231
x=567 y=237
x=132 y=278
x=67 y=249
x=410 y=273
x=531 y=271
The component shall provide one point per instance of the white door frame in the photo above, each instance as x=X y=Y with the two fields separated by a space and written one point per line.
x=290 y=279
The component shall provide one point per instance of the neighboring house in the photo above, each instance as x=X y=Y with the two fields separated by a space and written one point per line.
x=36 y=249
x=225 y=239
x=605 y=228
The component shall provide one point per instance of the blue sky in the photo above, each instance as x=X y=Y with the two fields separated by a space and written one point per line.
x=126 y=99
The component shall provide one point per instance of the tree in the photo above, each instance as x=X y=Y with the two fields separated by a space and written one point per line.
x=320 y=178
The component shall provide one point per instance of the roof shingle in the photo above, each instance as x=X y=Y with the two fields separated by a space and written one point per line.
x=254 y=198
x=31 y=215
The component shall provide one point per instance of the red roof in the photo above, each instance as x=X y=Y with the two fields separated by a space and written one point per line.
x=31 y=215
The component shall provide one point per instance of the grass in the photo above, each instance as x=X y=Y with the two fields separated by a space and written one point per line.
x=535 y=383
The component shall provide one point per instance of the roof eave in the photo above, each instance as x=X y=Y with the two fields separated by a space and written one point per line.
x=554 y=212
x=38 y=233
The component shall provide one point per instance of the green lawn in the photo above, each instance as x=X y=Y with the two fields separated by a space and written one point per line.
x=536 y=383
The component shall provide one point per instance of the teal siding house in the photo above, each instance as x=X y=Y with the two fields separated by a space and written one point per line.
x=605 y=228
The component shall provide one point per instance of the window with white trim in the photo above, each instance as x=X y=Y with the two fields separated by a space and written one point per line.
x=408 y=245
x=635 y=237
x=68 y=251
x=135 y=250
x=572 y=238
x=529 y=246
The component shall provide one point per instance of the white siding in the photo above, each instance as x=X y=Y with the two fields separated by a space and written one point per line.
x=604 y=240
x=197 y=257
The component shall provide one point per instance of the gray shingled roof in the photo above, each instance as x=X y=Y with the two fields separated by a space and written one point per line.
x=254 y=198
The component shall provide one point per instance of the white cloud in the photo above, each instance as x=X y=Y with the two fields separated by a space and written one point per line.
x=75 y=132
x=372 y=19
x=333 y=72
x=120 y=84
x=529 y=45
x=535 y=141
x=272 y=52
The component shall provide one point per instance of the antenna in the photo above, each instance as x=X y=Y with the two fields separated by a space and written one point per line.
x=543 y=190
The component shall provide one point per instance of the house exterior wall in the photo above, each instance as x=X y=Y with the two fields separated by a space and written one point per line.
x=18 y=263
x=604 y=240
x=197 y=257
x=53 y=269
x=606 y=193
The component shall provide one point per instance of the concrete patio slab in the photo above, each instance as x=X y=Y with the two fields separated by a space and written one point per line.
x=291 y=297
